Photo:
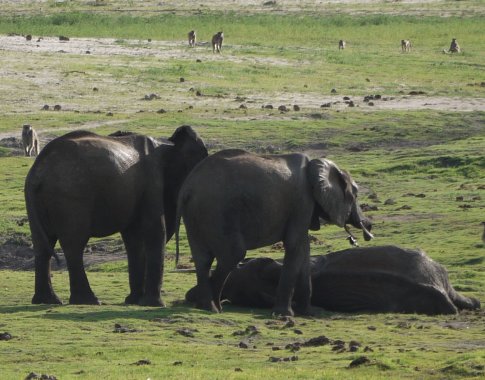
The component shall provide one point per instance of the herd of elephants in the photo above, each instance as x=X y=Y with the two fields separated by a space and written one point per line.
x=84 y=185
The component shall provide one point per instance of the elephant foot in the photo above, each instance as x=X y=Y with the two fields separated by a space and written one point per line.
x=81 y=299
x=147 y=300
x=132 y=299
x=49 y=298
x=283 y=311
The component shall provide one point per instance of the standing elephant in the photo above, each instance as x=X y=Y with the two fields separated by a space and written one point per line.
x=84 y=185
x=234 y=201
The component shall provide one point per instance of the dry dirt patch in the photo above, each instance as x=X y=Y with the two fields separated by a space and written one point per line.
x=167 y=50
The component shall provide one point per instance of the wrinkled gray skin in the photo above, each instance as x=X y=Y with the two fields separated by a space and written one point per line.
x=373 y=279
x=84 y=185
x=235 y=201
x=30 y=141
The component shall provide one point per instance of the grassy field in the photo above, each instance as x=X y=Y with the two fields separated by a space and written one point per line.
x=417 y=158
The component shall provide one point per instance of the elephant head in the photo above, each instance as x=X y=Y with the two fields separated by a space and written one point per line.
x=335 y=194
x=187 y=151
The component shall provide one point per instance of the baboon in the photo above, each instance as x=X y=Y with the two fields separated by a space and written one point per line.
x=30 y=141
x=217 y=42
x=405 y=45
x=191 y=37
x=454 y=47
x=341 y=45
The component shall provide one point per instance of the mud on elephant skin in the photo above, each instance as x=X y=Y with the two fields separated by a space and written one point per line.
x=84 y=185
x=235 y=201
x=373 y=279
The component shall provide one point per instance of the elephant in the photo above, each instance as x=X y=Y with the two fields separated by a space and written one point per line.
x=84 y=185
x=384 y=279
x=235 y=201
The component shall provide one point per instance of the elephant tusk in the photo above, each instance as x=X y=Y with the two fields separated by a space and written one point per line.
x=351 y=238
x=367 y=235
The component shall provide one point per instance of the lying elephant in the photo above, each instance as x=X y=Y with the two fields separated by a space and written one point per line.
x=373 y=279
x=234 y=201
x=84 y=185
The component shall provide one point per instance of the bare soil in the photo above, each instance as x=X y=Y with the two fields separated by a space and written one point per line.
x=166 y=50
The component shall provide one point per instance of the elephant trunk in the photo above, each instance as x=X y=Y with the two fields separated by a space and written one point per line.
x=358 y=220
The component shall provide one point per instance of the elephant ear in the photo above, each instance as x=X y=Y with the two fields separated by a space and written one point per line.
x=332 y=190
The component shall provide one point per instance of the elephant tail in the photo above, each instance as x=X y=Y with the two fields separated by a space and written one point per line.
x=178 y=217
x=37 y=221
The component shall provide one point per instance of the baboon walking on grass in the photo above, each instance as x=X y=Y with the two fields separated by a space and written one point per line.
x=341 y=45
x=405 y=45
x=192 y=38
x=217 y=42
x=30 y=141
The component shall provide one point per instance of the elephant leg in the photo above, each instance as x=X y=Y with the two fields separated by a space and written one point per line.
x=136 y=264
x=296 y=252
x=226 y=263
x=154 y=247
x=204 y=298
x=81 y=293
x=44 y=293
x=303 y=289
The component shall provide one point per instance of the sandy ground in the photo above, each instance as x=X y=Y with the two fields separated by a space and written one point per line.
x=164 y=50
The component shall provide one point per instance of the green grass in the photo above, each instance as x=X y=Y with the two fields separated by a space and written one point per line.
x=424 y=160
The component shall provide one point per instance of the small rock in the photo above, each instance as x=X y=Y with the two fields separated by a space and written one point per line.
x=189 y=333
x=142 y=362
x=317 y=341
x=296 y=107
x=293 y=347
x=359 y=361
x=182 y=80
